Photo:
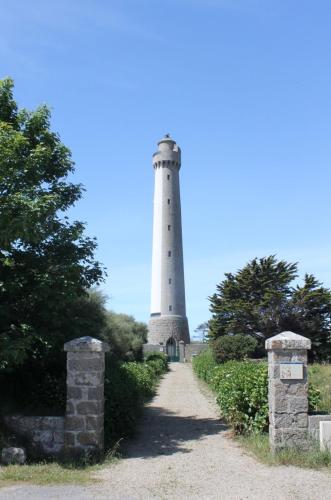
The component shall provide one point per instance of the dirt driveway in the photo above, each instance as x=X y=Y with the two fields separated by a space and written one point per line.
x=181 y=452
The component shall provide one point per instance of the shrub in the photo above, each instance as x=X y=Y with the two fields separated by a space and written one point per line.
x=242 y=394
x=320 y=375
x=203 y=365
x=230 y=347
x=158 y=359
x=127 y=387
x=242 y=391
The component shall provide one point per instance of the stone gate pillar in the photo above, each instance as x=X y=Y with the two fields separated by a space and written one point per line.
x=288 y=390
x=84 y=419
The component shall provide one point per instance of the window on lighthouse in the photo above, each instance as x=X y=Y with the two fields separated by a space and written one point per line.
x=170 y=308
x=169 y=281
x=168 y=177
x=168 y=201
x=169 y=253
x=169 y=227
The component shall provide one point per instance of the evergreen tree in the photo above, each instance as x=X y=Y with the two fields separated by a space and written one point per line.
x=310 y=315
x=259 y=300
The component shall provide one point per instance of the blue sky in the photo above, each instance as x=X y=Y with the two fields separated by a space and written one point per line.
x=244 y=86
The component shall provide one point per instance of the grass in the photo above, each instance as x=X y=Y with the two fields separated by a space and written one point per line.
x=314 y=458
x=320 y=376
x=258 y=445
x=44 y=473
x=53 y=473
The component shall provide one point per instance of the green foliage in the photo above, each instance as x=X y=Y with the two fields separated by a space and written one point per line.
x=314 y=397
x=125 y=336
x=259 y=300
x=204 y=365
x=242 y=394
x=127 y=387
x=313 y=458
x=242 y=391
x=320 y=377
x=46 y=262
x=159 y=360
x=310 y=315
x=40 y=380
x=230 y=347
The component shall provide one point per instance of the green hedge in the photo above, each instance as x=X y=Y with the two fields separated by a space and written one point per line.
x=127 y=387
x=242 y=391
x=158 y=361
x=229 y=347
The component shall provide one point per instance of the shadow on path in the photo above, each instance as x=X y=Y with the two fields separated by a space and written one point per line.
x=163 y=432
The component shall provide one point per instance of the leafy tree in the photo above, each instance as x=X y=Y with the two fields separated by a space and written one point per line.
x=259 y=300
x=46 y=261
x=125 y=335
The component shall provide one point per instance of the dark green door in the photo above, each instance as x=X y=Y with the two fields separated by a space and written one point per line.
x=172 y=350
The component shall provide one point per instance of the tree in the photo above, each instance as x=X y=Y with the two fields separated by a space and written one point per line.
x=310 y=315
x=201 y=331
x=230 y=347
x=259 y=300
x=125 y=336
x=47 y=262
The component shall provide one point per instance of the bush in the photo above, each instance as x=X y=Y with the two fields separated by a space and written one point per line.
x=320 y=375
x=242 y=391
x=230 y=347
x=127 y=387
x=40 y=382
x=203 y=365
x=158 y=360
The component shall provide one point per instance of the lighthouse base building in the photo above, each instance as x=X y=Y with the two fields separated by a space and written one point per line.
x=168 y=334
x=163 y=328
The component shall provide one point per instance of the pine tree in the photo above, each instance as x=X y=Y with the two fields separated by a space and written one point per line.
x=259 y=300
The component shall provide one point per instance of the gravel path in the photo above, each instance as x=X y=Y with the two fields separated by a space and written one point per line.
x=182 y=452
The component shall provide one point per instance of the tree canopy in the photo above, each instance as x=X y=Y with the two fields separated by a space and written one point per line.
x=125 y=336
x=46 y=261
x=260 y=300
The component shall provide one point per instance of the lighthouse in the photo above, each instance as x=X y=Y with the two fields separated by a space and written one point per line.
x=168 y=322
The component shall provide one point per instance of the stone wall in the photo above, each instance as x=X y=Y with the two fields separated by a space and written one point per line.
x=314 y=425
x=186 y=351
x=151 y=348
x=44 y=436
x=194 y=349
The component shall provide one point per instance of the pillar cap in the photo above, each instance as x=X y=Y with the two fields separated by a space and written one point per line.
x=287 y=340
x=86 y=344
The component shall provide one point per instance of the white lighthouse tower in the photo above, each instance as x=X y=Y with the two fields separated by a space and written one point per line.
x=168 y=322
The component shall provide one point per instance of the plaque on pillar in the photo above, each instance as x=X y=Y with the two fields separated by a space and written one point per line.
x=291 y=371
